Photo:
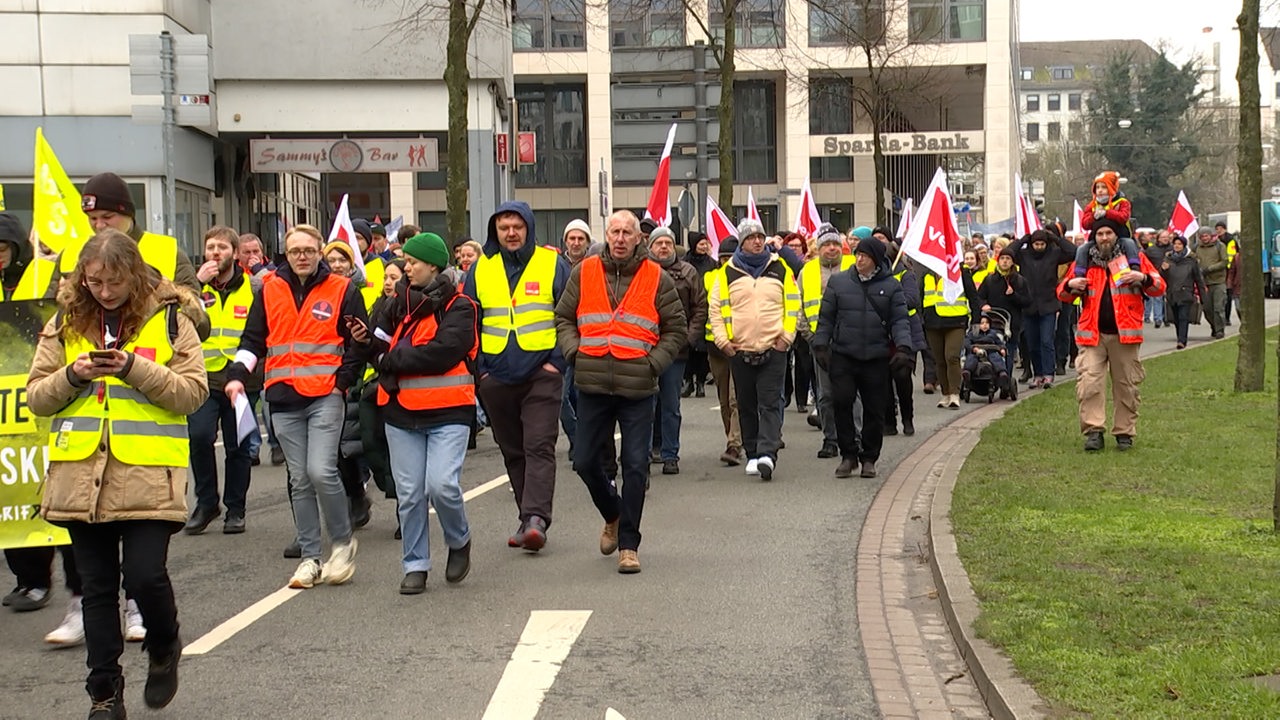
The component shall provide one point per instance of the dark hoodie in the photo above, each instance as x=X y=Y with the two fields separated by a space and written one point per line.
x=15 y=236
x=864 y=319
x=514 y=365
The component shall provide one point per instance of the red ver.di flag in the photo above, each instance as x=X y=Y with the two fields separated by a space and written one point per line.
x=933 y=240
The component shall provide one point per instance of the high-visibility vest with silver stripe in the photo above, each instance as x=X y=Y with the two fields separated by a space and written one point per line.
x=811 y=288
x=141 y=432
x=933 y=298
x=790 y=302
x=304 y=347
x=227 y=318
x=623 y=332
x=529 y=313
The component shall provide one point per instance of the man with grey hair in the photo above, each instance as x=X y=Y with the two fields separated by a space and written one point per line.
x=753 y=307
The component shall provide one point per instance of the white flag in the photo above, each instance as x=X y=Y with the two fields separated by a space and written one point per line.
x=343 y=230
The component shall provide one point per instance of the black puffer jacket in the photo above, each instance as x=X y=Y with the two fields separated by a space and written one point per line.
x=1041 y=269
x=608 y=375
x=1182 y=278
x=864 y=320
x=994 y=292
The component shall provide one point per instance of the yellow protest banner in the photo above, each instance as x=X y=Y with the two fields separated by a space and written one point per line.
x=56 y=215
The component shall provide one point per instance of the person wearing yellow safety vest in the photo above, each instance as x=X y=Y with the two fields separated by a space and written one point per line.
x=621 y=323
x=901 y=391
x=301 y=330
x=1233 y=279
x=228 y=294
x=117 y=370
x=516 y=284
x=813 y=282
x=944 y=327
x=718 y=362
x=370 y=283
x=754 y=310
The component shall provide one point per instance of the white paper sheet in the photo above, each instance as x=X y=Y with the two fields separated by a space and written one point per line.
x=246 y=421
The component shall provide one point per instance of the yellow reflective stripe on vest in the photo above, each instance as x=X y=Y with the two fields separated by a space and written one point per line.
x=529 y=313
x=142 y=433
x=225 y=329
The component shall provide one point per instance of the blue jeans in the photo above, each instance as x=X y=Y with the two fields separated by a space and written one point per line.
x=634 y=417
x=309 y=438
x=202 y=427
x=569 y=409
x=1040 y=330
x=1153 y=309
x=427 y=465
x=666 y=425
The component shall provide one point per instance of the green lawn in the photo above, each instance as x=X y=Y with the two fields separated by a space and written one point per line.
x=1135 y=585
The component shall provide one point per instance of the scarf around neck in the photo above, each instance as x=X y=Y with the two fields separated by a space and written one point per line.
x=753 y=263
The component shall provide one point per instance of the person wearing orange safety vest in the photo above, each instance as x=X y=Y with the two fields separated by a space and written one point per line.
x=301 y=329
x=426 y=349
x=1109 y=333
x=620 y=323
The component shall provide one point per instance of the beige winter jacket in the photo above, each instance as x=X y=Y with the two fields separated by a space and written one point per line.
x=100 y=488
x=757 y=307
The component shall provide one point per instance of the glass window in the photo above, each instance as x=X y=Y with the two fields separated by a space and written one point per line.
x=758 y=23
x=1033 y=132
x=1055 y=101
x=1063 y=73
x=768 y=216
x=646 y=23
x=1055 y=131
x=1033 y=102
x=846 y=22
x=549 y=224
x=930 y=21
x=549 y=25
x=557 y=116
x=1027 y=73
x=839 y=215
x=1073 y=101
x=830 y=113
x=1075 y=130
x=755 y=147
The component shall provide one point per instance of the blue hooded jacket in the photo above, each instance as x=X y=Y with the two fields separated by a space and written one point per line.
x=514 y=365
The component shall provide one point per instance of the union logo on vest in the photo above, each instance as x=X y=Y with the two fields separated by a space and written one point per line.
x=322 y=310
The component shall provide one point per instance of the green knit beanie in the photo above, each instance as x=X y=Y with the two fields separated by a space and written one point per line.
x=429 y=248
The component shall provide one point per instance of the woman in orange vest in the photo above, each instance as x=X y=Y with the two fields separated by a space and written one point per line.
x=425 y=354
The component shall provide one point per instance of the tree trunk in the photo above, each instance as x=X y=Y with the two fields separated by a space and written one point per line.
x=457 y=79
x=1251 y=361
x=724 y=144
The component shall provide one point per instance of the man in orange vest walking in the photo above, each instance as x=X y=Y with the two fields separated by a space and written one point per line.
x=1109 y=334
x=302 y=327
x=620 y=324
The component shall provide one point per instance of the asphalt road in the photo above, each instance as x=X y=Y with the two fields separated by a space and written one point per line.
x=745 y=607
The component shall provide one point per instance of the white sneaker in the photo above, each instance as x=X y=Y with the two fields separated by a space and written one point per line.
x=71 y=631
x=765 y=468
x=342 y=563
x=753 y=466
x=134 y=630
x=307 y=575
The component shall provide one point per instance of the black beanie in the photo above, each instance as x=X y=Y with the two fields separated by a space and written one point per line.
x=107 y=191
x=873 y=248
x=728 y=246
x=1120 y=229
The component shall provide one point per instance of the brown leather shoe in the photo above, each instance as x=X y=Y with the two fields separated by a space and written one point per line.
x=628 y=562
x=609 y=538
x=846 y=468
x=731 y=456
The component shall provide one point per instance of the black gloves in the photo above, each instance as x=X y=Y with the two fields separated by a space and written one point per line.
x=903 y=361
x=823 y=356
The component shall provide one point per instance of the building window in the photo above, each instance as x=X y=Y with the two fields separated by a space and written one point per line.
x=768 y=216
x=1063 y=73
x=646 y=23
x=830 y=113
x=556 y=114
x=1073 y=102
x=437 y=222
x=755 y=121
x=1033 y=102
x=931 y=21
x=759 y=23
x=1055 y=102
x=839 y=215
x=857 y=23
x=1075 y=130
x=549 y=25
x=1055 y=131
x=1033 y=132
x=1026 y=73
x=550 y=224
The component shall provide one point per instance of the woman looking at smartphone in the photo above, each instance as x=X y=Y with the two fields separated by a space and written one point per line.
x=119 y=368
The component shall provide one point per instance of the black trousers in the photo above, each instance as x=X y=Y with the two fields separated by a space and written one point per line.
x=870 y=379
x=899 y=397
x=759 y=390
x=33 y=567
x=597 y=416
x=800 y=380
x=98 y=548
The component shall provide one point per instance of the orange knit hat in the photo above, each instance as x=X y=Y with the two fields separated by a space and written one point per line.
x=1109 y=178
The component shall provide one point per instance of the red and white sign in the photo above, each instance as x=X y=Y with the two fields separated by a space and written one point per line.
x=1183 y=220
x=527 y=142
x=934 y=241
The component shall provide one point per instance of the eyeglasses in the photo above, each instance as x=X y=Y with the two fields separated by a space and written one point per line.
x=302 y=252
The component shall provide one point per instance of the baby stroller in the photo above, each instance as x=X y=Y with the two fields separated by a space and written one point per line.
x=983 y=380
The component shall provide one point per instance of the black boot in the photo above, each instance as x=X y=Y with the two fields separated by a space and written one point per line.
x=162 y=674
x=687 y=390
x=108 y=703
x=360 y=511
x=699 y=389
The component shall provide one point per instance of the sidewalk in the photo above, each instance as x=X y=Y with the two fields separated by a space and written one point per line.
x=916 y=608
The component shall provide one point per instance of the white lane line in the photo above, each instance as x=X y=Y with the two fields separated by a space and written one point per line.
x=258 y=610
x=611 y=714
x=534 y=664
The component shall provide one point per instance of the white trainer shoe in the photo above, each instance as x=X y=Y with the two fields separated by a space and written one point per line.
x=753 y=466
x=134 y=630
x=71 y=631
x=342 y=562
x=307 y=575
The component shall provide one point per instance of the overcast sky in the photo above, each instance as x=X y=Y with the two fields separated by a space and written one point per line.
x=1150 y=20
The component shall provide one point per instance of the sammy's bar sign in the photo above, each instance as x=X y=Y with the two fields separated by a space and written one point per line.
x=348 y=155
x=923 y=143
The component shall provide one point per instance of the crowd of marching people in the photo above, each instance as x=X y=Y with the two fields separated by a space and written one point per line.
x=381 y=358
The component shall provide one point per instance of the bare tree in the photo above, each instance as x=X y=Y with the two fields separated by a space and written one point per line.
x=1250 y=363
x=724 y=50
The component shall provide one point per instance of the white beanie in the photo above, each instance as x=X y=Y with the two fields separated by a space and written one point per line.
x=748 y=227
x=579 y=225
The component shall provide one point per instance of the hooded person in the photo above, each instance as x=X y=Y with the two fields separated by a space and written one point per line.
x=516 y=285
x=863 y=334
x=15 y=253
x=1107 y=201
